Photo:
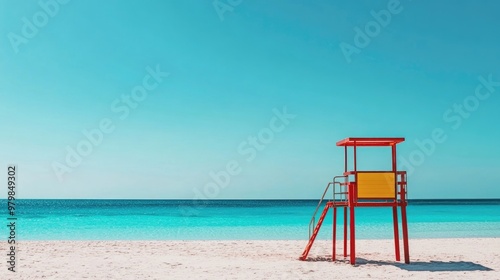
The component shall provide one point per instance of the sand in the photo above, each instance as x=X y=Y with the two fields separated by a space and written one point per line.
x=474 y=258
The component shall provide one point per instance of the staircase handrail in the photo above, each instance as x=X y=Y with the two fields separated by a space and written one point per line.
x=313 y=219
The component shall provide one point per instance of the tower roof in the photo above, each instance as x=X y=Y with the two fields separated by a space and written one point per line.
x=372 y=142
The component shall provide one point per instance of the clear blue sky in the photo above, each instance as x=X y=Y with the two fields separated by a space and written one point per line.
x=228 y=72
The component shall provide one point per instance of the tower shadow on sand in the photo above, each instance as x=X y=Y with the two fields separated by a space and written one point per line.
x=432 y=266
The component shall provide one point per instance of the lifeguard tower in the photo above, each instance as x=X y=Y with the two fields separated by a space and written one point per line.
x=362 y=188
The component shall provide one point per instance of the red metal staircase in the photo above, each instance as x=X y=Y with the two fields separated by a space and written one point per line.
x=315 y=233
x=338 y=197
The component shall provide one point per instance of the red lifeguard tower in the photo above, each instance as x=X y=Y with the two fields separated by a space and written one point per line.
x=356 y=188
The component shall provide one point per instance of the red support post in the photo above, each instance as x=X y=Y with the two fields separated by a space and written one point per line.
x=345 y=232
x=352 y=237
x=345 y=159
x=334 y=232
x=405 y=224
x=355 y=160
x=405 y=234
x=352 y=198
x=396 y=231
x=352 y=224
x=394 y=162
x=345 y=208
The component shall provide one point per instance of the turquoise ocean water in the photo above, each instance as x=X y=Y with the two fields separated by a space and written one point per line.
x=238 y=219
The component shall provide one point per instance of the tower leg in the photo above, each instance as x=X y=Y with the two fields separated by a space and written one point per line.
x=334 y=232
x=345 y=232
x=405 y=233
x=352 y=237
x=396 y=231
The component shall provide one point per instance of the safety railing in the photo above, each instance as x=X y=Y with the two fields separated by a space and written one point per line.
x=340 y=190
x=336 y=196
x=402 y=185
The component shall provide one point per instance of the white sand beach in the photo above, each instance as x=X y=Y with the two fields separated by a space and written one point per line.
x=474 y=258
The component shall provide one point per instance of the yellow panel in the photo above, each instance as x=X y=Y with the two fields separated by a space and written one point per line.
x=376 y=185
